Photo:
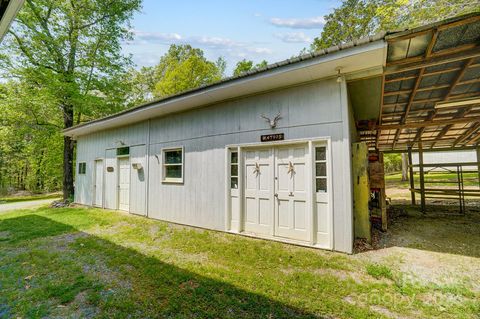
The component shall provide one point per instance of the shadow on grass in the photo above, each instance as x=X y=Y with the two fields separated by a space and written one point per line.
x=155 y=289
x=441 y=230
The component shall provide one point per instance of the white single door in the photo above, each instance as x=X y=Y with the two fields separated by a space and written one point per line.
x=259 y=191
x=292 y=207
x=98 y=187
x=124 y=183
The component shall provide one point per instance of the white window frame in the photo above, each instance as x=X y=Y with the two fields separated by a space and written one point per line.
x=325 y=161
x=85 y=168
x=170 y=180
x=237 y=164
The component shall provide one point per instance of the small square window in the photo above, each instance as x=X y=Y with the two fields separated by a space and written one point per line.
x=234 y=170
x=234 y=183
x=234 y=158
x=321 y=169
x=82 y=168
x=321 y=185
x=320 y=153
x=173 y=165
x=123 y=151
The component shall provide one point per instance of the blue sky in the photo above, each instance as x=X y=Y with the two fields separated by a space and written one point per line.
x=234 y=29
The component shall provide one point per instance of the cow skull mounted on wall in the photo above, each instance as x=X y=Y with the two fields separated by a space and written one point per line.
x=272 y=122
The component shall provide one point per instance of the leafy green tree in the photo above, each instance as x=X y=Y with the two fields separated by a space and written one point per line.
x=247 y=65
x=141 y=85
x=184 y=67
x=359 y=18
x=70 y=50
x=30 y=142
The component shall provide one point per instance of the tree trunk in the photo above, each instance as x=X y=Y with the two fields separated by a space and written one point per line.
x=68 y=147
x=404 y=167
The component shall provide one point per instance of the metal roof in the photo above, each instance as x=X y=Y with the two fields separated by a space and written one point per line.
x=236 y=79
x=426 y=66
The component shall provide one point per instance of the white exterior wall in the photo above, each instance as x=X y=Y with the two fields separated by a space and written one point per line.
x=312 y=110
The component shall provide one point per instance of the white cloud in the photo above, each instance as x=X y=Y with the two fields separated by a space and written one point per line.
x=293 y=37
x=260 y=50
x=156 y=37
x=143 y=44
x=215 y=42
x=301 y=23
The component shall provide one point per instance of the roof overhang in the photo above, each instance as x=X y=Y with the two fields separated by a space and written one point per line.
x=430 y=95
x=8 y=12
x=356 y=60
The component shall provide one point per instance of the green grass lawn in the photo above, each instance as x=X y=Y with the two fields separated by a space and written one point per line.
x=89 y=263
x=14 y=199
x=440 y=179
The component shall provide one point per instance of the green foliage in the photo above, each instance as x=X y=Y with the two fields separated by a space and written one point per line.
x=82 y=262
x=247 y=65
x=30 y=140
x=183 y=68
x=64 y=66
x=379 y=271
x=359 y=18
x=392 y=162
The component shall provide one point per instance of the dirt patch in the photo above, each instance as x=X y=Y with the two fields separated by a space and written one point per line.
x=436 y=248
x=4 y=235
x=62 y=242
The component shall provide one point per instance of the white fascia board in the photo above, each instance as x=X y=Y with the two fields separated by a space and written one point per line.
x=12 y=10
x=356 y=59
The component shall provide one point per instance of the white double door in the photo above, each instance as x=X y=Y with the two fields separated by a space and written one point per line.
x=276 y=192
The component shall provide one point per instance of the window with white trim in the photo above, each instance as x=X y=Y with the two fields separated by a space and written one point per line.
x=173 y=165
x=234 y=170
x=321 y=169
x=82 y=168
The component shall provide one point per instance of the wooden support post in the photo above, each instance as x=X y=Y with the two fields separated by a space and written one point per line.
x=422 y=177
x=478 y=164
x=410 y=169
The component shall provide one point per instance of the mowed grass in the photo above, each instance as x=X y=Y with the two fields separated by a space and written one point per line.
x=90 y=263
x=14 y=199
x=433 y=179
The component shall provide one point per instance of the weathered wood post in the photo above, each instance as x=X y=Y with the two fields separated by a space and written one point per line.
x=410 y=169
x=478 y=163
x=422 y=177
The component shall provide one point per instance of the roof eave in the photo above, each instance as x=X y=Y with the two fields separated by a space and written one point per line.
x=286 y=73
x=7 y=18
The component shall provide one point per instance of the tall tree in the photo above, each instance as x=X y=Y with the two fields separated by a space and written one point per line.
x=181 y=68
x=359 y=18
x=72 y=50
x=184 y=67
x=247 y=65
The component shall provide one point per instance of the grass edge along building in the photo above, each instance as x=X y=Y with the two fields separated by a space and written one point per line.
x=269 y=153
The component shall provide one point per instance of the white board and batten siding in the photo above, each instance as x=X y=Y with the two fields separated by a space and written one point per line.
x=312 y=114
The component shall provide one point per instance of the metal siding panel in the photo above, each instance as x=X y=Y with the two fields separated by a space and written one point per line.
x=307 y=111
x=138 y=180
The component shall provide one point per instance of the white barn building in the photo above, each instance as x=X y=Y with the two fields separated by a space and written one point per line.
x=268 y=154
